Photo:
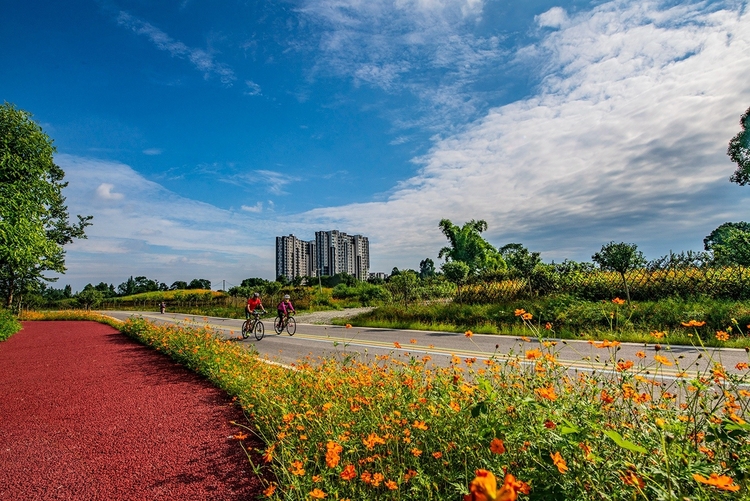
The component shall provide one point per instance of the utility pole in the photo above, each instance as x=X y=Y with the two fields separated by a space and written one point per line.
x=224 y=285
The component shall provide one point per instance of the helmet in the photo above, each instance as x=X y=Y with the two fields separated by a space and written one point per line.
x=256 y=294
x=286 y=296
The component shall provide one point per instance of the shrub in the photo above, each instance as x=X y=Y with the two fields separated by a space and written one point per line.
x=9 y=324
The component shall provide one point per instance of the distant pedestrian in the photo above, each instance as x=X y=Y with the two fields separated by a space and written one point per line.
x=162 y=307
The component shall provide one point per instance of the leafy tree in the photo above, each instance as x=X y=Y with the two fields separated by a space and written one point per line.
x=254 y=282
x=178 y=285
x=282 y=280
x=199 y=283
x=739 y=151
x=403 y=287
x=468 y=246
x=34 y=220
x=426 y=268
x=521 y=261
x=127 y=288
x=89 y=297
x=734 y=248
x=621 y=258
x=720 y=234
x=456 y=272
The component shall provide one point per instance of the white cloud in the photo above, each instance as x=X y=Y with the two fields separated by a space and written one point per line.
x=203 y=60
x=152 y=151
x=104 y=192
x=258 y=207
x=427 y=48
x=253 y=89
x=148 y=230
x=625 y=140
x=556 y=17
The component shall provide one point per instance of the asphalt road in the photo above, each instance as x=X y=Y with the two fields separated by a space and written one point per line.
x=365 y=343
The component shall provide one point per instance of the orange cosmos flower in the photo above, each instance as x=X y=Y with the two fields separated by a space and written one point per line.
x=623 y=366
x=527 y=316
x=662 y=360
x=437 y=455
x=317 y=494
x=519 y=312
x=349 y=472
x=693 y=323
x=348 y=326
x=548 y=326
x=413 y=341
x=497 y=446
x=240 y=436
x=640 y=354
x=548 y=393
x=268 y=456
x=420 y=425
x=630 y=478
x=722 y=336
x=618 y=301
x=468 y=333
x=397 y=345
x=483 y=487
x=297 y=469
x=270 y=490
x=558 y=460
x=722 y=482
x=741 y=366
x=391 y=485
x=533 y=354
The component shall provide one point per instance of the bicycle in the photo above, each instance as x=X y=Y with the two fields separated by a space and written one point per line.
x=254 y=325
x=288 y=323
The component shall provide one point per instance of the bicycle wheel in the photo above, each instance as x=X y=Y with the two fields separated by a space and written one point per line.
x=246 y=328
x=259 y=330
x=278 y=325
x=291 y=326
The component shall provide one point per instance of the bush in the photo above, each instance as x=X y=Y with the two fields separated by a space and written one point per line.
x=9 y=324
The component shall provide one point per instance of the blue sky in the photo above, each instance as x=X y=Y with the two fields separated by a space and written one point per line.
x=196 y=132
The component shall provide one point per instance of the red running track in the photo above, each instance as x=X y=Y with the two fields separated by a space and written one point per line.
x=88 y=414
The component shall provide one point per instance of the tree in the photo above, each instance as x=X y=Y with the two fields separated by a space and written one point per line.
x=521 y=260
x=731 y=245
x=199 y=283
x=89 y=297
x=621 y=258
x=426 y=268
x=254 y=283
x=739 y=151
x=456 y=272
x=720 y=234
x=178 y=285
x=468 y=246
x=127 y=288
x=34 y=220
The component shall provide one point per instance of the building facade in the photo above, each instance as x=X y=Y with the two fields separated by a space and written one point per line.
x=330 y=253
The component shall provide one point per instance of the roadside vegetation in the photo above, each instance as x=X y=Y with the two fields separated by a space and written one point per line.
x=396 y=427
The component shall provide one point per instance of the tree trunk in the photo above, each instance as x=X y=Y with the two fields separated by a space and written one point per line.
x=627 y=291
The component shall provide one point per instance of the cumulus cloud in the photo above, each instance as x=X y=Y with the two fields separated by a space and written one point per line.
x=258 y=207
x=104 y=192
x=556 y=17
x=625 y=140
x=202 y=60
x=144 y=229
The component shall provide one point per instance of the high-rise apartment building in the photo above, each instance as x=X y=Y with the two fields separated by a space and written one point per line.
x=295 y=257
x=330 y=253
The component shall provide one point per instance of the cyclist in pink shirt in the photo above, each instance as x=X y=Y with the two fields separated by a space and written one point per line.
x=285 y=307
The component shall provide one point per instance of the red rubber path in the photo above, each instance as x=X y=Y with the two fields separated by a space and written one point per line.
x=88 y=414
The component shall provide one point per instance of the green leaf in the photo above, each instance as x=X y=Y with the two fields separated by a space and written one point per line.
x=625 y=444
x=479 y=408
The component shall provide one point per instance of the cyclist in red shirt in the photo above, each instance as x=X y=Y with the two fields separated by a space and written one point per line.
x=253 y=303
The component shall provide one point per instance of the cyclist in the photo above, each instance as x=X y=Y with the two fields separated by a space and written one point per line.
x=284 y=308
x=253 y=303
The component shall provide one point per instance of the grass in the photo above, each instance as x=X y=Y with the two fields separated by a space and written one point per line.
x=570 y=318
x=398 y=428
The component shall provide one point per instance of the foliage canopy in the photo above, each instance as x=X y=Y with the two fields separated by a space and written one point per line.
x=34 y=220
